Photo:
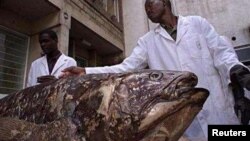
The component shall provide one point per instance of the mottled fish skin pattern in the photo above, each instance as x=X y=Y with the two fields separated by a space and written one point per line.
x=129 y=106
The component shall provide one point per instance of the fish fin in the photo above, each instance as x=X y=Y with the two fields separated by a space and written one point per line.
x=13 y=129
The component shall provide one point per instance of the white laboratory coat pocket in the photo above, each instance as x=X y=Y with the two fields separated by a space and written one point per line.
x=197 y=47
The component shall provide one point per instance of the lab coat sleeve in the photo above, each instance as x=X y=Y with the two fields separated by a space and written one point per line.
x=221 y=49
x=137 y=60
x=72 y=62
x=30 y=81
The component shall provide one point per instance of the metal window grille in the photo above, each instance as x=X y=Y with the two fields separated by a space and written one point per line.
x=13 y=53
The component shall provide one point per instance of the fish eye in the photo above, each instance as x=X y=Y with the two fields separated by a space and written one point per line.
x=155 y=75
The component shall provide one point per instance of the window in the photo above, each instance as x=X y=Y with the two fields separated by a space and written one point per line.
x=111 y=9
x=244 y=55
x=13 y=51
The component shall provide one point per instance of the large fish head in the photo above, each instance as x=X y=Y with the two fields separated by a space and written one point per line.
x=150 y=100
x=135 y=105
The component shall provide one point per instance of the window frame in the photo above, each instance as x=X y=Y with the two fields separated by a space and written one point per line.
x=243 y=54
x=103 y=11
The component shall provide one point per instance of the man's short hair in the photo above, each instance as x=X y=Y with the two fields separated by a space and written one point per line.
x=51 y=33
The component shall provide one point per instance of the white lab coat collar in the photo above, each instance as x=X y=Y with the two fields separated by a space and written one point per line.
x=160 y=30
x=44 y=64
x=60 y=62
x=181 y=29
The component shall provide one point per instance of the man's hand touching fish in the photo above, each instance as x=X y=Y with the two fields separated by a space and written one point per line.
x=72 y=71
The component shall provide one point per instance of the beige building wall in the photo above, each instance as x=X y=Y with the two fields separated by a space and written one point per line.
x=229 y=17
x=135 y=23
x=14 y=22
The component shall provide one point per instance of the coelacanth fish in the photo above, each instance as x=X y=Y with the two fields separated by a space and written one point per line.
x=133 y=106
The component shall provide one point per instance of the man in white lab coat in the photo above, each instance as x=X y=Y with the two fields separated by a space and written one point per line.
x=50 y=65
x=186 y=44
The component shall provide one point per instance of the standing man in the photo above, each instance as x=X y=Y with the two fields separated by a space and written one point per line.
x=52 y=63
x=186 y=44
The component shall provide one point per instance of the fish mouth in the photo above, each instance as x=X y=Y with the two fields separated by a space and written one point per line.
x=176 y=114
